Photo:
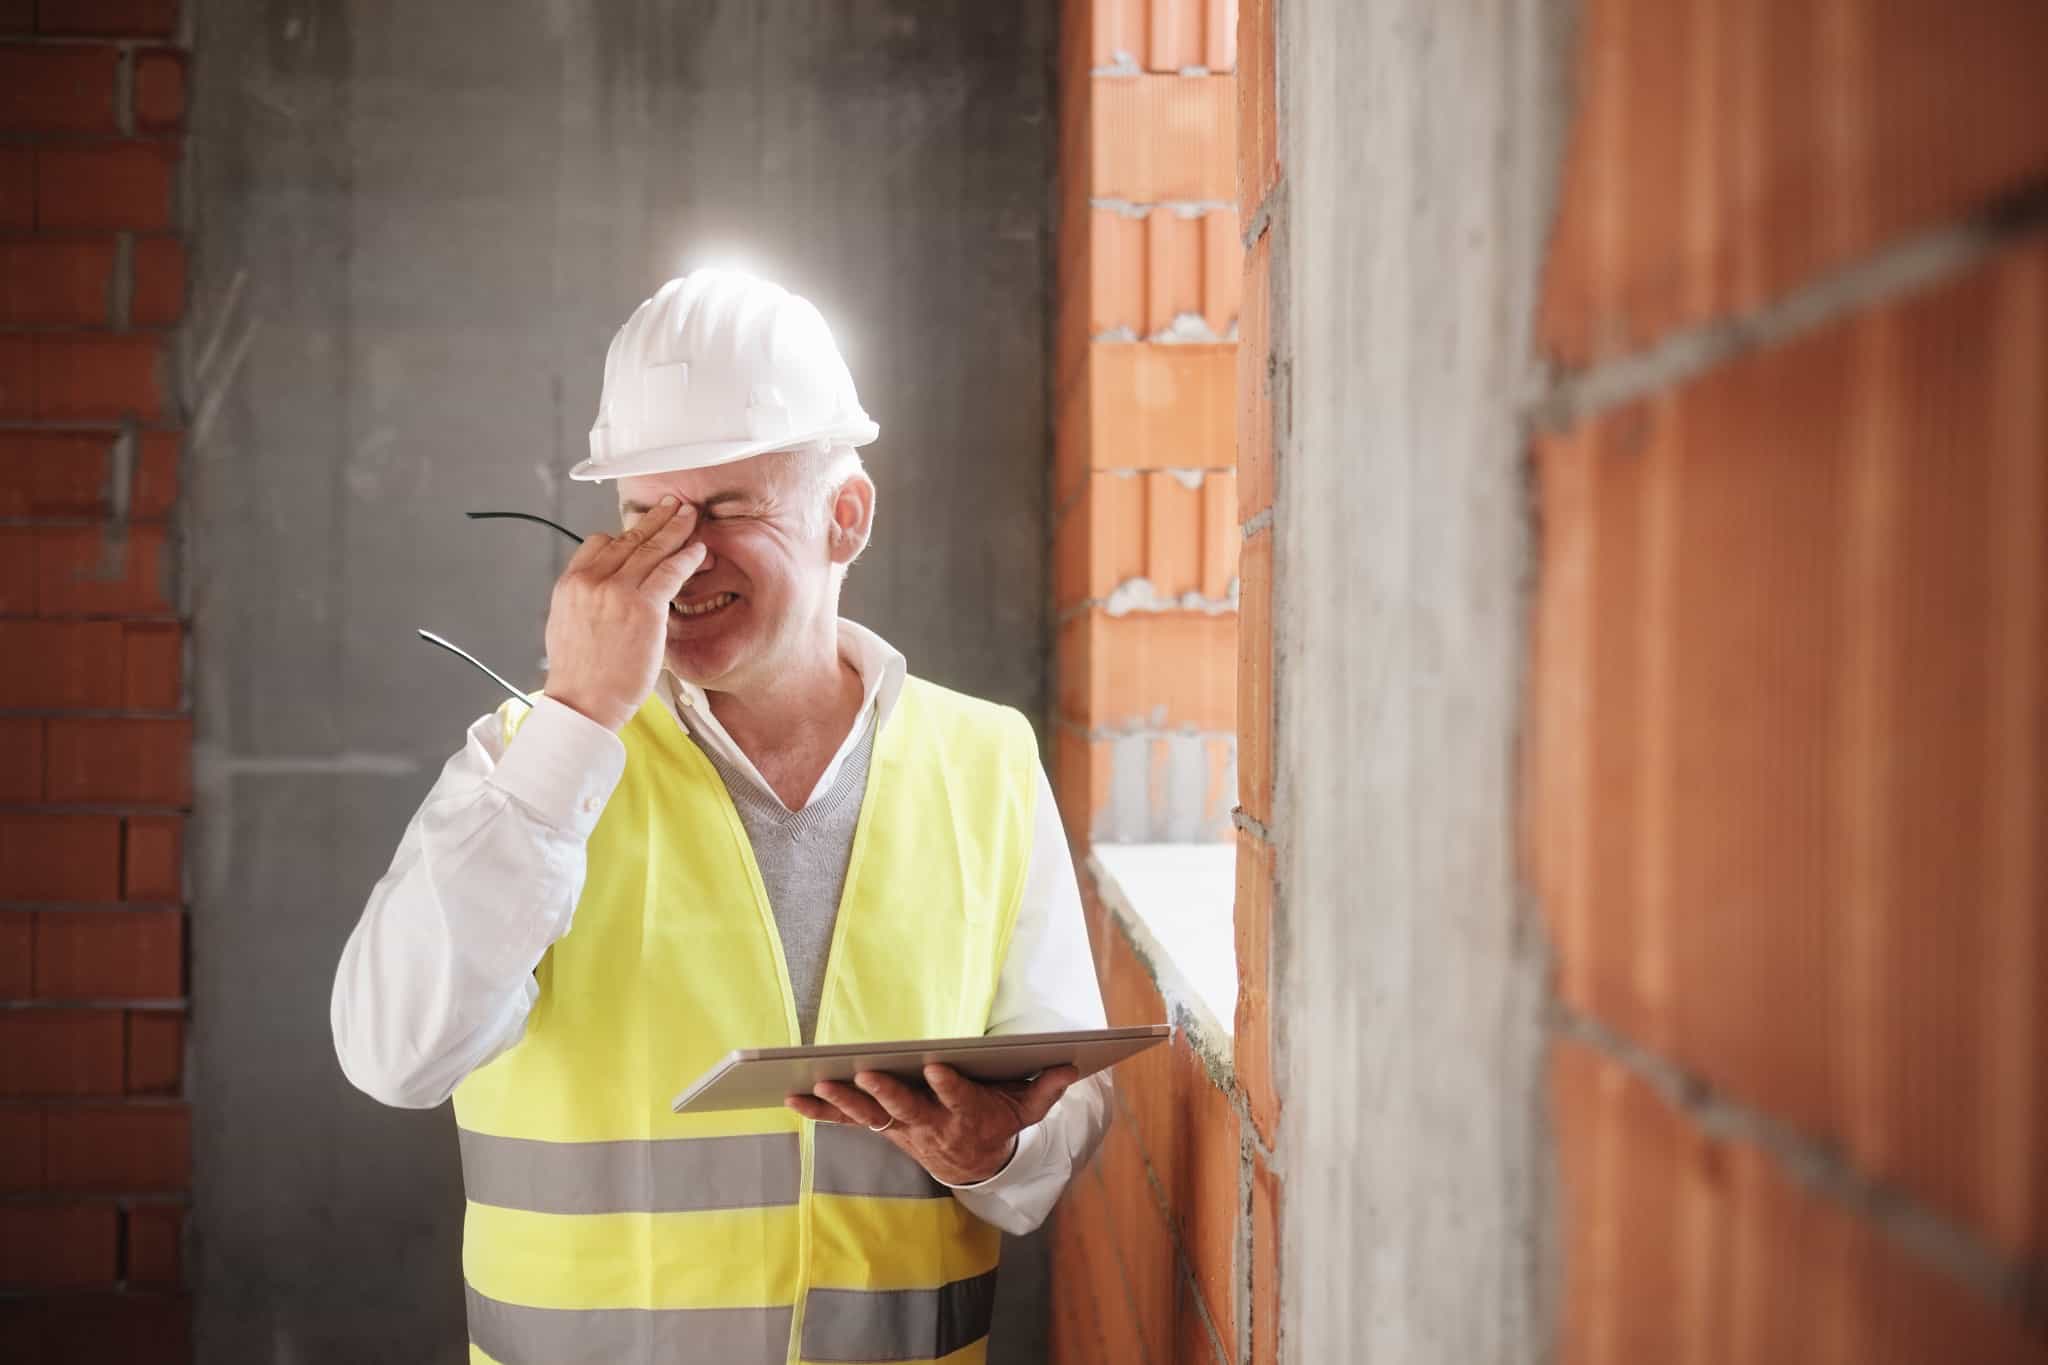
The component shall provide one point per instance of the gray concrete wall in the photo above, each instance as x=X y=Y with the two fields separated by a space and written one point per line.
x=416 y=226
x=1419 y=141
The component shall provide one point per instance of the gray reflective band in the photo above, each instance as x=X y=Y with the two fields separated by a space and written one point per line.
x=515 y=1335
x=851 y=1160
x=673 y=1175
x=900 y=1324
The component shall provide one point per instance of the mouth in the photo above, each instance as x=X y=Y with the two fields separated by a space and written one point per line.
x=709 y=606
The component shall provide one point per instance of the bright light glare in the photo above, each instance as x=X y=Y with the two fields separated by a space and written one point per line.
x=720 y=259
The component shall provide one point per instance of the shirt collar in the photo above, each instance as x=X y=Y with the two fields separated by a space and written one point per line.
x=879 y=664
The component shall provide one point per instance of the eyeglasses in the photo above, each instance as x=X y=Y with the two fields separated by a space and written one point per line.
x=457 y=650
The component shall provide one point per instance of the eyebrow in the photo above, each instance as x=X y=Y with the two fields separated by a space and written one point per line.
x=731 y=495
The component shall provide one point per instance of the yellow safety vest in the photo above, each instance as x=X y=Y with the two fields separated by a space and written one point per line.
x=601 y=1227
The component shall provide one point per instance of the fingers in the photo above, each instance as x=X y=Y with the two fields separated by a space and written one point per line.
x=813 y=1108
x=902 y=1103
x=666 y=578
x=851 y=1103
x=662 y=541
x=620 y=548
x=954 y=1090
x=1042 y=1094
x=594 y=545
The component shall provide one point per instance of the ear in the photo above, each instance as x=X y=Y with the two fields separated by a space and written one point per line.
x=853 y=517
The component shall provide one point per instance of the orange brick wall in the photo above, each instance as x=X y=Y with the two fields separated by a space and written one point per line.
x=1789 y=717
x=1167 y=1249
x=95 y=738
x=1146 y=527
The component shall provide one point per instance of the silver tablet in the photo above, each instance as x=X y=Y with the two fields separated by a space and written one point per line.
x=762 y=1077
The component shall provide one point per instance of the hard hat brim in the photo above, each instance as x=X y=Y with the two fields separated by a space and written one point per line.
x=709 y=455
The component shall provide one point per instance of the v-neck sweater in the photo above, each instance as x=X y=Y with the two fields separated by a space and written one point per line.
x=803 y=857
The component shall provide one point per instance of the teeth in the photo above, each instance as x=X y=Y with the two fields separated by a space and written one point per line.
x=709 y=604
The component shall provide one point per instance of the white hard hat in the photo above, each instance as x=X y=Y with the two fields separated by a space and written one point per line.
x=714 y=368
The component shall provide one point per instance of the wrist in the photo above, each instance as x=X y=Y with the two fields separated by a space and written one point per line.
x=612 y=717
x=983 y=1177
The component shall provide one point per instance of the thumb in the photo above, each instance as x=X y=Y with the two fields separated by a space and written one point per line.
x=1042 y=1094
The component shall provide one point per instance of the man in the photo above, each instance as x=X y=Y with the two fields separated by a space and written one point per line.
x=732 y=821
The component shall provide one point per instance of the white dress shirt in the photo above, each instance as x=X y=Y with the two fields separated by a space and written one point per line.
x=437 y=978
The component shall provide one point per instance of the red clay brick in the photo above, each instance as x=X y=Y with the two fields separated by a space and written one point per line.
x=1154 y=407
x=159 y=90
x=57 y=1246
x=153 y=667
x=56 y=282
x=22 y=759
x=60 y=663
x=115 y=759
x=1142 y=1239
x=96 y=378
x=1173 y=533
x=1087 y=1255
x=106 y=187
x=119 y=1148
x=1265 y=1251
x=1207 y=1211
x=17 y=16
x=109 y=18
x=17 y=954
x=1254 y=384
x=1162 y=35
x=1101 y=541
x=1220 y=535
x=1129 y=997
x=1786 y=756
x=91 y=570
x=1163 y=138
x=17 y=570
x=1816 y=138
x=92 y=1329
x=1156 y=671
x=154 y=863
x=1258 y=137
x=17 y=187
x=159 y=297
x=1081 y=772
x=1681 y=1247
x=21 y=1150
x=1176 y=37
x=1255 y=710
x=1154 y=527
x=156 y=1052
x=1120 y=33
x=60 y=857
x=1146 y=274
x=1188 y=1132
x=156 y=475
x=17 y=377
x=54 y=473
x=1252 y=1035
x=1115 y=277
x=108 y=954
x=155 y=1259
x=52 y=89
x=60 y=1052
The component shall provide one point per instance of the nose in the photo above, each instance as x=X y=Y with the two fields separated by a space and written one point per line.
x=696 y=537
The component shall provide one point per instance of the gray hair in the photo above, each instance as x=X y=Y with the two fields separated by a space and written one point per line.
x=818 y=472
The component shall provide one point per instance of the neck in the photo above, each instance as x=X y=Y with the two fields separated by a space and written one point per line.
x=809 y=697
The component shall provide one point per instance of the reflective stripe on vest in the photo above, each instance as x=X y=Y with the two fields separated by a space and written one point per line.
x=603 y=1227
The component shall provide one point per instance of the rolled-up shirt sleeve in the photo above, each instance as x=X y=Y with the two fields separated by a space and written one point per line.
x=1047 y=985
x=437 y=978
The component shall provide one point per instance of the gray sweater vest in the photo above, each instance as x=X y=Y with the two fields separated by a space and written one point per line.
x=802 y=856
